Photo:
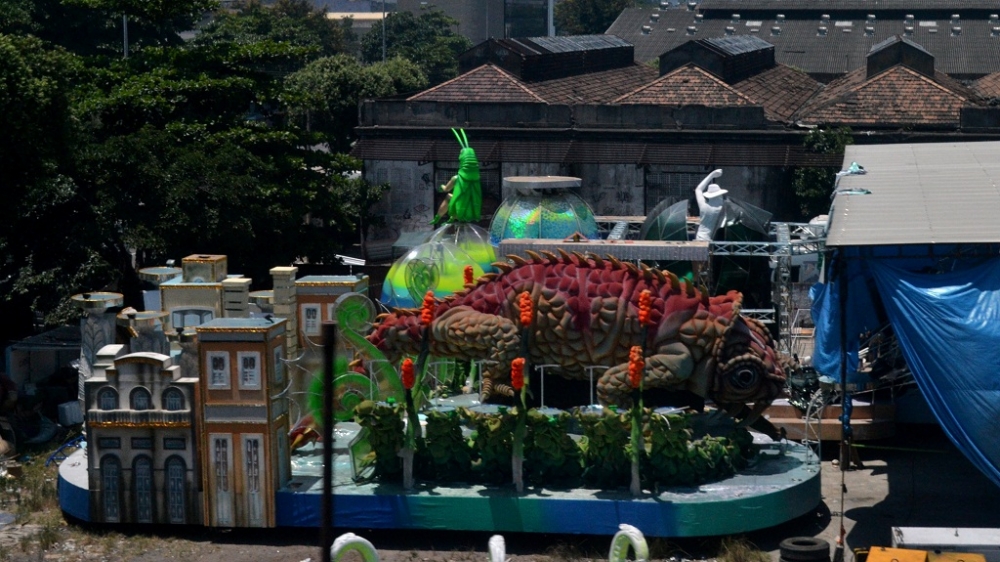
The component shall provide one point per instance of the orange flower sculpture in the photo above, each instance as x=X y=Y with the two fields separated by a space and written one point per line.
x=636 y=364
x=408 y=374
x=517 y=373
x=524 y=302
x=467 y=274
x=427 y=309
x=645 y=303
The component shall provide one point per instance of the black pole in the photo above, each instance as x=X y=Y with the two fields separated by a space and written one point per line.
x=845 y=397
x=329 y=354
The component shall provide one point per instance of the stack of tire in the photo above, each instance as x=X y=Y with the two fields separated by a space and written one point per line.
x=804 y=549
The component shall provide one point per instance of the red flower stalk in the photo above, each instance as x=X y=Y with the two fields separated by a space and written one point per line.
x=427 y=309
x=524 y=302
x=408 y=373
x=636 y=364
x=517 y=373
x=645 y=302
x=468 y=275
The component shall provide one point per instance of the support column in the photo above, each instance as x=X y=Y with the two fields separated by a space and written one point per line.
x=285 y=305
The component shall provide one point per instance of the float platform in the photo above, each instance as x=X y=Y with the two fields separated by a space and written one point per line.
x=782 y=483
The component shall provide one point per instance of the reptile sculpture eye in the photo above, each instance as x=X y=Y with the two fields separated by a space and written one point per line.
x=744 y=378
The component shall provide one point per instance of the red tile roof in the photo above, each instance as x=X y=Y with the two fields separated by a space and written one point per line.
x=687 y=85
x=897 y=96
x=988 y=87
x=782 y=90
x=595 y=87
x=487 y=83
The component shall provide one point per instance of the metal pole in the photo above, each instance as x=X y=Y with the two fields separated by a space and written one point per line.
x=125 y=34
x=383 y=30
x=329 y=354
x=551 y=19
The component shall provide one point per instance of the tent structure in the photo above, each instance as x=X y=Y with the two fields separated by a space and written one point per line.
x=915 y=241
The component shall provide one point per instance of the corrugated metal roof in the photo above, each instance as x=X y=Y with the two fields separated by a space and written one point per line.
x=935 y=193
x=971 y=52
x=874 y=6
x=737 y=44
x=572 y=43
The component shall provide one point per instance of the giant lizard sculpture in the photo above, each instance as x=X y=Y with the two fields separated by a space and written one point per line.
x=586 y=313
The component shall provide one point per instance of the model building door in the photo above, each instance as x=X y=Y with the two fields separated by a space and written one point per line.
x=253 y=460
x=221 y=449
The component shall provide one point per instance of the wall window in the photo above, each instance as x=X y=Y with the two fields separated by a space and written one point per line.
x=174 y=443
x=140 y=399
x=142 y=476
x=111 y=473
x=173 y=399
x=142 y=443
x=249 y=366
x=107 y=399
x=218 y=369
x=311 y=319
x=181 y=318
x=254 y=468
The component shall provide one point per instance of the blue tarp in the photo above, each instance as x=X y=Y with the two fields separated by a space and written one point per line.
x=861 y=317
x=948 y=326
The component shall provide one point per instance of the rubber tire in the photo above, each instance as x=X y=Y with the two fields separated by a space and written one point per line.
x=804 y=549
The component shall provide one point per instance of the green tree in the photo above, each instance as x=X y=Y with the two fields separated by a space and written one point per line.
x=588 y=17
x=813 y=186
x=324 y=96
x=428 y=40
x=95 y=27
x=115 y=164
x=294 y=22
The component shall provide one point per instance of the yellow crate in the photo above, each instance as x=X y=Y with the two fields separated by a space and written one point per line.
x=885 y=554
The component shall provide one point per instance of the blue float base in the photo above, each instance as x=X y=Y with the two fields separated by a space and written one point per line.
x=782 y=483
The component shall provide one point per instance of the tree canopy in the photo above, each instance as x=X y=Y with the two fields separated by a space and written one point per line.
x=428 y=40
x=114 y=164
x=588 y=17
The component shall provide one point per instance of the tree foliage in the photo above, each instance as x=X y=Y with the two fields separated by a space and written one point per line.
x=116 y=164
x=813 y=186
x=324 y=95
x=428 y=40
x=292 y=22
x=588 y=17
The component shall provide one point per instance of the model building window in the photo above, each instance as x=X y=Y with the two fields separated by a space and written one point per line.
x=140 y=399
x=249 y=364
x=218 y=369
x=111 y=470
x=310 y=319
x=142 y=476
x=175 y=489
x=107 y=399
x=174 y=443
x=173 y=399
x=279 y=366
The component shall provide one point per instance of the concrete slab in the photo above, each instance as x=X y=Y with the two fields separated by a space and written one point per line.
x=916 y=479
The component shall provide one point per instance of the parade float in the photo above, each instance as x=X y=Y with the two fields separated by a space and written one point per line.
x=445 y=407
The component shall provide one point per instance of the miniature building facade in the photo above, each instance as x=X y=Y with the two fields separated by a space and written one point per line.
x=244 y=435
x=316 y=296
x=204 y=291
x=141 y=440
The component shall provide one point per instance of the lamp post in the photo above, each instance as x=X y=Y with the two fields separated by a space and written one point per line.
x=383 y=30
